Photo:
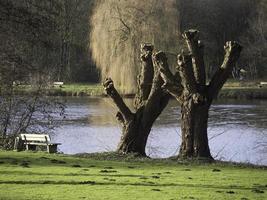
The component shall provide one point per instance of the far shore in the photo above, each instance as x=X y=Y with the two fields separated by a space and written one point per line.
x=231 y=90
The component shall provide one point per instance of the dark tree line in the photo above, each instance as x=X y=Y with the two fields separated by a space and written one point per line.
x=221 y=20
x=28 y=54
x=49 y=38
x=46 y=39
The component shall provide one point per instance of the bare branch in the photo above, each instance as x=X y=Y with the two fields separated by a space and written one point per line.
x=196 y=49
x=122 y=21
x=172 y=83
x=186 y=73
x=146 y=75
x=117 y=99
x=158 y=98
x=120 y=118
x=232 y=53
x=147 y=70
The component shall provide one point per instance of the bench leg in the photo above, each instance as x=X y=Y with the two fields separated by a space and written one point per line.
x=18 y=146
x=30 y=147
x=52 y=148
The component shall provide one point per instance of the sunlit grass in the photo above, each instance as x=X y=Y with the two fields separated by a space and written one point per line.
x=83 y=89
x=246 y=84
x=75 y=89
x=27 y=175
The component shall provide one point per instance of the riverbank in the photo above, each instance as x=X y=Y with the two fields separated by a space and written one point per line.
x=28 y=175
x=78 y=89
x=231 y=90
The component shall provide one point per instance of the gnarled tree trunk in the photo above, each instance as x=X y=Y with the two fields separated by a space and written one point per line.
x=150 y=101
x=189 y=87
x=194 y=123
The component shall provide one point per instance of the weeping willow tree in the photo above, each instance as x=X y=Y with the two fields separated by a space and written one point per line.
x=118 y=29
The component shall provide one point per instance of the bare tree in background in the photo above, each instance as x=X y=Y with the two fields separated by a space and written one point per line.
x=21 y=114
x=189 y=87
x=26 y=53
x=34 y=113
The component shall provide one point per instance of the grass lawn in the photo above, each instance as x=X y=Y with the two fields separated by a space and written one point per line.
x=28 y=175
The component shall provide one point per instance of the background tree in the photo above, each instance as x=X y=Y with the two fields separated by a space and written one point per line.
x=75 y=62
x=189 y=87
x=26 y=50
x=255 y=39
x=119 y=27
x=150 y=101
x=50 y=36
x=123 y=25
x=218 y=21
x=26 y=29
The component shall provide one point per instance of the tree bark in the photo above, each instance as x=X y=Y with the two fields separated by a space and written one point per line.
x=194 y=95
x=194 y=123
x=150 y=101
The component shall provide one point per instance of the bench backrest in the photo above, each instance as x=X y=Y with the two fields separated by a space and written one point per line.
x=36 y=137
x=58 y=83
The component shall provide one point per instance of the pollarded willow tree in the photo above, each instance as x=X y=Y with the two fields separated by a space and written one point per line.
x=189 y=87
x=150 y=101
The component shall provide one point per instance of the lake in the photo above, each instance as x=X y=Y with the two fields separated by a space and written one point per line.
x=237 y=129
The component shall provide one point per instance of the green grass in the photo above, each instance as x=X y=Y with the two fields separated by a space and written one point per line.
x=243 y=93
x=27 y=175
x=83 y=89
x=233 y=89
x=242 y=84
x=75 y=89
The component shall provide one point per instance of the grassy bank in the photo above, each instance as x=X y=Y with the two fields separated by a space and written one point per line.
x=77 y=89
x=243 y=90
x=243 y=93
x=27 y=175
x=232 y=90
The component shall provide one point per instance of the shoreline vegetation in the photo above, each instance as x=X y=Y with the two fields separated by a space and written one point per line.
x=103 y=175
x=231 y=90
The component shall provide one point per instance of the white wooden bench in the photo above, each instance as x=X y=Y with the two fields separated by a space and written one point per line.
x=58 y=84
x=262 y=84
x=31 y=141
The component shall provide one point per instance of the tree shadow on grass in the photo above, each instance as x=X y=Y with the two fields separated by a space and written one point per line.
x=142 y=184
x=27 y=173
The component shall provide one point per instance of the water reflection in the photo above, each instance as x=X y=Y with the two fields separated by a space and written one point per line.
x=237 y=129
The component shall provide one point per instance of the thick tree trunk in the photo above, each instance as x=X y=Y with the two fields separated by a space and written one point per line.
x=194 y=123
x=134 y=137
x=186 y=149
x=149 y=103
x=201 y=145
x=194 y=95
x=135 y=132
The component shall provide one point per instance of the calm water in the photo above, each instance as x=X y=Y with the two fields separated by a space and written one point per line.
x=237 y=129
